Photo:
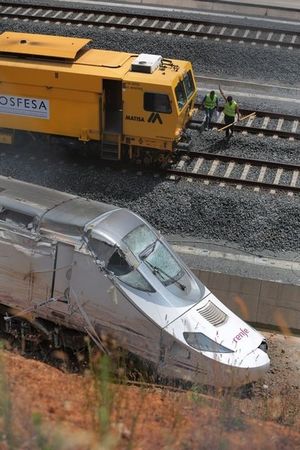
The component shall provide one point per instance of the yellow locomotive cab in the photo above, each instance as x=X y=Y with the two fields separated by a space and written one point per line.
x=125 y=105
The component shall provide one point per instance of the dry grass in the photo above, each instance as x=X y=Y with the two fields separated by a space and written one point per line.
x=42 y=408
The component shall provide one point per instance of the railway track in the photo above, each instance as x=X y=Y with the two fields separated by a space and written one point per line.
x=225 y=169
x=147 y=23
x=264 y=123
x=209 y=168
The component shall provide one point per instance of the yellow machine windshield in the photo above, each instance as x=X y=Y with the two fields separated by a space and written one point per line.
x=184 y=89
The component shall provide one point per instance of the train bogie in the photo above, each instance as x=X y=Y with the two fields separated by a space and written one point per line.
x=125 y=104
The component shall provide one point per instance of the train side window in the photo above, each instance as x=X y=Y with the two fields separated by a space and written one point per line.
x=126 y=273
x=157 y=103
x=102 y=250
x=17 y=218
x=137 y=281
x=118 y=264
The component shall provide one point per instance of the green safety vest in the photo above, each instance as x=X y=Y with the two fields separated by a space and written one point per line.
x=210 y=103
x=229 y=110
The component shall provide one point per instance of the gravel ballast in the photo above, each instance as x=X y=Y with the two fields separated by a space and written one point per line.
x=219 y=59
x=253 y=221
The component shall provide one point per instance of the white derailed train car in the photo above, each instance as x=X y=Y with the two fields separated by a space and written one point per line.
x=100 y=269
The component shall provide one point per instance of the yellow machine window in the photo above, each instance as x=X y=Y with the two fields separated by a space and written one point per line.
x=189 y=84
x=180 y=95
x=184 y=89
x=157 y=103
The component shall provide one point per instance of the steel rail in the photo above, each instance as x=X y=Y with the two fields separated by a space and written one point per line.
x=242 y=160
x=249 y=129
x=178 y=26
x=266 y=128
x=272 y=115
x=235 y=181
x=242 y=180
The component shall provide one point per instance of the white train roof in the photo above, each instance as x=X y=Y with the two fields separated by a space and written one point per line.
x=51 y=210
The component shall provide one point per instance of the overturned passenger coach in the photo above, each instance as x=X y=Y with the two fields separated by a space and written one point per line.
x=76 y=264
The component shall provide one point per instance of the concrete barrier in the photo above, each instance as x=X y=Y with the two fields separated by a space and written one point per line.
x=263 y=302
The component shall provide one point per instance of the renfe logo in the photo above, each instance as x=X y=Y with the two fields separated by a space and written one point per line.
x=24 y=106
x=242 y=333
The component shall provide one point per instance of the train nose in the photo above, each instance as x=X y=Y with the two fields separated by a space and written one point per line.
x=224 y=370
x=242 y=371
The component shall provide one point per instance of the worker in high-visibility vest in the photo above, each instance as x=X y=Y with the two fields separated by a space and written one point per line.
x=231 y=109
x=210 y=104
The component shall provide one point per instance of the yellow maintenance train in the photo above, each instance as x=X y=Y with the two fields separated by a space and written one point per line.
x=127 y=106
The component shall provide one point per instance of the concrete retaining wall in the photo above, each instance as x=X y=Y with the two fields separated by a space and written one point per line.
x=266 y=302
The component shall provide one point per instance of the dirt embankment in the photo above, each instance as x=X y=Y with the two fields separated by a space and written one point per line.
x=43 y=407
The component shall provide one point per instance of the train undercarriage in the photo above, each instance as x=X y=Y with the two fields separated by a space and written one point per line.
x=42 y=339
x=109 y=151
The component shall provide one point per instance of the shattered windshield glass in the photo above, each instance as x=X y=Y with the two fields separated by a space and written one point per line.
x=145 y=245
x=163 y=265
x=139 y=239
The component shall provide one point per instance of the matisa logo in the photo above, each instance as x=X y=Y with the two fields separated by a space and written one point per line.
x=136 y=118
x=243 y=332
x=154 y=117
x=24 y=106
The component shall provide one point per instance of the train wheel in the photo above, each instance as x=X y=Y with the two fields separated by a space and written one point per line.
x=164 y=160
x=147 y=159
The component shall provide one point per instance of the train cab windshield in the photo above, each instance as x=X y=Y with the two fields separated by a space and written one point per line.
x=128 y=249
x=139 y=245
x=184 y=89
x=145 y=246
